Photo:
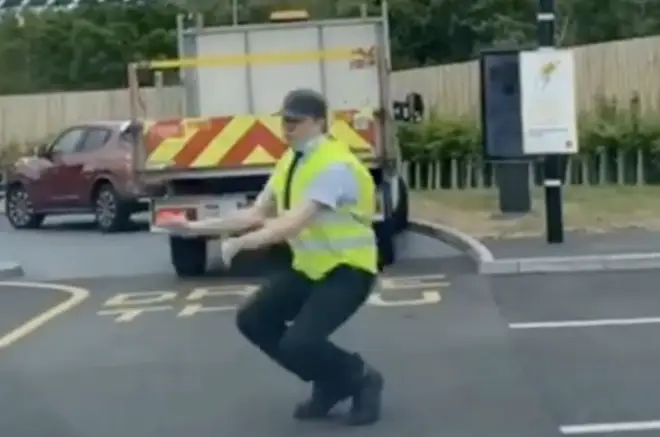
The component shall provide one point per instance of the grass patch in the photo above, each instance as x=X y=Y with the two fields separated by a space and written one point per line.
x=589 y=209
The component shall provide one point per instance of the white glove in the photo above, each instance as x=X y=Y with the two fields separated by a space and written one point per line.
x=229 y=249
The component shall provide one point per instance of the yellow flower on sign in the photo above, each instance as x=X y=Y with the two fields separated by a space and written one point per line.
x=546 y=72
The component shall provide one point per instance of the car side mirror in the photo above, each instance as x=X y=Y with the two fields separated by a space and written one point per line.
x=43 y=152
x=410 y=110
x=416 y=106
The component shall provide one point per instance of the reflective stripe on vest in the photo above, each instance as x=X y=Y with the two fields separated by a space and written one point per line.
x=312 y=245
x=330 y=219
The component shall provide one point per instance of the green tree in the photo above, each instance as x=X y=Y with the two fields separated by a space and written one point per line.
x=90 y=46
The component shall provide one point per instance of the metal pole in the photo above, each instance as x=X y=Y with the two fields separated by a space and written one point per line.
x=385 y=14
x=552 y=165
x=180 y=25
x=234 y=12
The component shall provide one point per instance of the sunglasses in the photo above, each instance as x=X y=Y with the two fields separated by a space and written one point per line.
x=292 y=120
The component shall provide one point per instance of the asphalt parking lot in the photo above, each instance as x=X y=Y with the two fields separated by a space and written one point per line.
x=589 y=345
x=139 y=357
x=100 y=339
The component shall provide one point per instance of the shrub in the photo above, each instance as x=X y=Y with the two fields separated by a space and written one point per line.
x=609 y=128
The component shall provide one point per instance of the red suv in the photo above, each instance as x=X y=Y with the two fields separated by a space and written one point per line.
x=87 y=169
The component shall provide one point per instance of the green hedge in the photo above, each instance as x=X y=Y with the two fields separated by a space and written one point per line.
x=610 y=127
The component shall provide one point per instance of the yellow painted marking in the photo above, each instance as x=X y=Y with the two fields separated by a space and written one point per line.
x=255 y=58
x=429 y=285
x=412 y=282
x=195 y=308
x=240 y=291
x=345 y=133
x=125 y=307
x=428 y=297
x=224 y=141
x=243 y=290
x=129 y=314
x=77 y=296
x=143 y=298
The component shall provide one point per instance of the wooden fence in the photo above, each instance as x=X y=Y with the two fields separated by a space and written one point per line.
x=616 y=69
x=30 y=119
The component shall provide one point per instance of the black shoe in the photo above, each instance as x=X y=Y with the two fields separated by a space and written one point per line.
x=323 y=400
x=367 y=399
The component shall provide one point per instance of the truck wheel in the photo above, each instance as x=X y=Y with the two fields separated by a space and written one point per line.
x=110 y=212
x=188 y=256
x=385 y=239
x=400 y=216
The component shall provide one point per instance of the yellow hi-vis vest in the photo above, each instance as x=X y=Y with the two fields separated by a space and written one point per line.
x=342 y=236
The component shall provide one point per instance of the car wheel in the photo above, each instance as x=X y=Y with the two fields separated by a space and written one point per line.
x=20 y=210
x=188 y=256
x=111 y=215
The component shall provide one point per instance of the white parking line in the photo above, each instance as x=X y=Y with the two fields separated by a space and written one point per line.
x=601 y=428
x=586 y=323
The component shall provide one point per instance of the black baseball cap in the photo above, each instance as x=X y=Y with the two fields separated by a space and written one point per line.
x=301 y=103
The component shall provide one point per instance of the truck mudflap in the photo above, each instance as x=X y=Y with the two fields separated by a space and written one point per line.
x=240 y=141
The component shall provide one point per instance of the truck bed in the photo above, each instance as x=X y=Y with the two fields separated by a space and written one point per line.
x=235 y=79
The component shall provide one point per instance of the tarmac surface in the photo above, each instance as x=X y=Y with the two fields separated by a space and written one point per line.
x=589 y=344
x=577 y=244
x=99 y=339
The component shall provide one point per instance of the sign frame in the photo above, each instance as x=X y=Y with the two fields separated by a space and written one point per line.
x=547 y=86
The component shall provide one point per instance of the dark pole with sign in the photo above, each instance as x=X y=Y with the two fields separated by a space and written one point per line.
x=554 y=164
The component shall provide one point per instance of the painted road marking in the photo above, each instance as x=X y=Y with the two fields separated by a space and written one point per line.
x=601 y=428
x=586 y=323
x=126 y=307
x=77 y=296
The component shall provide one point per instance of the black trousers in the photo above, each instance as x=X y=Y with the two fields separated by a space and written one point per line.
x=291 y=318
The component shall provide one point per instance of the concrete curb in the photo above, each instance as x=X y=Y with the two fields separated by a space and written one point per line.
x=10 y=270
x=488 y=265
x=455 y=238
x=568 y=264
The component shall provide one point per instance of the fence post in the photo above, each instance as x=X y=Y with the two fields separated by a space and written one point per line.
x=640 y=173
x=438 y=174
x=469 y=170
x=585 y=174
x=479 y=175
x=454 y=173
x=620 y=167
x=602 y=166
